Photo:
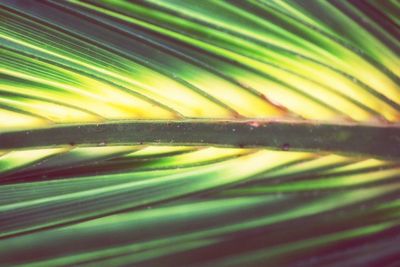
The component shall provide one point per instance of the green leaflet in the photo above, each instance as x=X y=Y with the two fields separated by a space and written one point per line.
x=105 y=62
x=199 y=133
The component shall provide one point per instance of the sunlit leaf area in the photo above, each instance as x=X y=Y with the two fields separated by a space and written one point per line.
x=188 y=201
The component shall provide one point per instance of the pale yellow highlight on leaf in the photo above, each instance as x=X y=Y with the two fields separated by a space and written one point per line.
x=13 y=120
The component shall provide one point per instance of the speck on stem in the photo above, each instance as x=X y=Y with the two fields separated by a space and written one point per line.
x=285 y=147
x=254 y=124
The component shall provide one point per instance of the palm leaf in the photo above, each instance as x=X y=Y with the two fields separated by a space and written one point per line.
x=199 y=133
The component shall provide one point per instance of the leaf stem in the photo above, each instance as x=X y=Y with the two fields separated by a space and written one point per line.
x=375 y=140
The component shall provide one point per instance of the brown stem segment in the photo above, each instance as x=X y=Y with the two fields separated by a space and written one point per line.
x=358 y=139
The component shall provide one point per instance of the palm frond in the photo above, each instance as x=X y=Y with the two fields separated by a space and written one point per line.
x=199 y=133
